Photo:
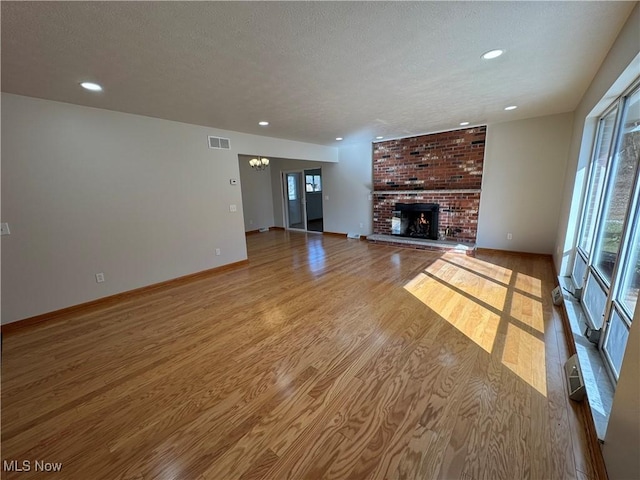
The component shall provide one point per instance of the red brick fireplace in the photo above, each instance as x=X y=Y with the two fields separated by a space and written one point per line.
x=442 y=168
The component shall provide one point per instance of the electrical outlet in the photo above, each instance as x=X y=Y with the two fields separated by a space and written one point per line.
x=233 y=208
x=218 y=251
x=361 y=225
x=509 y=236
x=250 y=222
x=4 y=229
x=99 y=277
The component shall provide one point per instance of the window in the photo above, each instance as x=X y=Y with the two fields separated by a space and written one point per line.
x=598 y=169
x=594 y=301
x=628 y=293
x=579 y=271
x=313 y=183
x=629 y=153
x=292 y=190
x=621 y=181
x=608 y=249
x=616 y=342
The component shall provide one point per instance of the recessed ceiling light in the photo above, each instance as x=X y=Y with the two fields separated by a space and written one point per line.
x=338 y=138
x=263 y=123
x=379 y=137
x=94 y=87
x=511 y=107
x=492 y=54
x=464 y=124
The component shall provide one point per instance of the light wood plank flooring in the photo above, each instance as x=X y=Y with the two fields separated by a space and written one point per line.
x=321 y=358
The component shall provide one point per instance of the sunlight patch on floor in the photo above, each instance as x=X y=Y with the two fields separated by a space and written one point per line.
x=476 y=304
x=486 y=291
x=471 y=318
x=529 y=284
x=523 y=354
x=499 y=274
x=527 y=310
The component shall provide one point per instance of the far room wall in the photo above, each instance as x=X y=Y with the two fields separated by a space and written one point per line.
x=257 y=201
x=350 y=184
x=524 y=169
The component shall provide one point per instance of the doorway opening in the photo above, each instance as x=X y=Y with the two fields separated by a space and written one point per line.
x=302 y=200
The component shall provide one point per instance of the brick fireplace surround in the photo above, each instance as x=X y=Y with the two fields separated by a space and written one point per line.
x=443 y=168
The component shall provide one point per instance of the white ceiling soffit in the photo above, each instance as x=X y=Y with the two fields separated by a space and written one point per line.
x=314 y=70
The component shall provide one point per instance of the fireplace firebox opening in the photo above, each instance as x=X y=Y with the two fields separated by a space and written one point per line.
x=415 y=220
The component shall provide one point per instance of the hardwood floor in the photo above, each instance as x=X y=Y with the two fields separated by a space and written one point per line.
x=321 y=358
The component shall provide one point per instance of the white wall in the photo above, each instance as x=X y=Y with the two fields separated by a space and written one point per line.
x=522 y=183
x=618 y=69
x=257 y=201
x=622 y=441
x=141 y=199
x=350 y=208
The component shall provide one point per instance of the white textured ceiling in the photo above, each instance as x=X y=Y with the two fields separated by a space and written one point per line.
x=315 y=70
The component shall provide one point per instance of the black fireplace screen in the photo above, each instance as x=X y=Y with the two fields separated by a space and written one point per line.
x=415 y=220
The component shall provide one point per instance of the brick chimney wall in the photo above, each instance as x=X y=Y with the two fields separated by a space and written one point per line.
x=443 y=168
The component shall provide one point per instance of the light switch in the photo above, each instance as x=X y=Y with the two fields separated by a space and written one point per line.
x=233 y=208
x=4 y=229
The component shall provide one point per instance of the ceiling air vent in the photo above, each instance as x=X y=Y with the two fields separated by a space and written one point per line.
x=218 y=142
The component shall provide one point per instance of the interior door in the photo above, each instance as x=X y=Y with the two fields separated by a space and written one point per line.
x=294 y=200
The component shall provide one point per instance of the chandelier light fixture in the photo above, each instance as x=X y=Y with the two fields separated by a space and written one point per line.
x=259 y=163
